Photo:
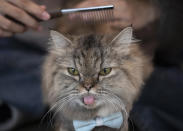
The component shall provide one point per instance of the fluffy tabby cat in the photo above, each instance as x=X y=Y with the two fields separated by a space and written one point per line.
x=91 y=76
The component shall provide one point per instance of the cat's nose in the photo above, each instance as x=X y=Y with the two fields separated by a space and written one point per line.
x=88 y=86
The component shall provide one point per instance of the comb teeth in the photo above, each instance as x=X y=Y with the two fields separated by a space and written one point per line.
x=91 y=15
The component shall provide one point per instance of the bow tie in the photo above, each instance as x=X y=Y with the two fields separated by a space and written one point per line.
x=113 y=121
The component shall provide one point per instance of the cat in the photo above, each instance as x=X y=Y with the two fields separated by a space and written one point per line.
x=93 y=76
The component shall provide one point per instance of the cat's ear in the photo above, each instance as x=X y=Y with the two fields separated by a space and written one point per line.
x=124 y=37
x=123 y=40
x=59 y=40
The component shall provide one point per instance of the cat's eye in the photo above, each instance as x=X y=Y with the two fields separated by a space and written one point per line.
x=105 y=71
x=73 y=71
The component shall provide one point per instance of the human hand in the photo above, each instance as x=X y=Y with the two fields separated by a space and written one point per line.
x=22 y=11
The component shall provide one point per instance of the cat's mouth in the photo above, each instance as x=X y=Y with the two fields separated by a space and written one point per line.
x=89 y=101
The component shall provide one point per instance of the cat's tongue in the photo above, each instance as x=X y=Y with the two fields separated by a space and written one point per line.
x=89 y=100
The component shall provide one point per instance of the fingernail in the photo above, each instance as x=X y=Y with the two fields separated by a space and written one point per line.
x=45 y=16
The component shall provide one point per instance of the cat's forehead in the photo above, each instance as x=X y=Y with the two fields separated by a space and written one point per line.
x=90 y=41
x=89 y=52
x=89 y=46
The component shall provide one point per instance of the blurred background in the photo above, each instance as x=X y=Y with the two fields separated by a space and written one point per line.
x=158 y=23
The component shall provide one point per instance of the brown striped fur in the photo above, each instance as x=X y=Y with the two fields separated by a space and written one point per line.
x=89 y=54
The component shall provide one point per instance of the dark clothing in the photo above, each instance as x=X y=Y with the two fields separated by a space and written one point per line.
x=20 y=74
x=160 y=105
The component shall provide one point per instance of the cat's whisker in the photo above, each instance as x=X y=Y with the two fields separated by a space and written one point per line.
x=110 y=101
x=114 y=105
x=60 y=101
x=106 y=101
x=70 y=89
x=52 y=109
x=63 y=104
x=66 y=94
x=59 y=108
x=54 y=106
x=48 y=112
x=111 y=93
x=121 y=106
x=118 y=102
x=65 y=99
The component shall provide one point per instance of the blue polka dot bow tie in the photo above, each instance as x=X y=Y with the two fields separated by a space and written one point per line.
x=113 y=121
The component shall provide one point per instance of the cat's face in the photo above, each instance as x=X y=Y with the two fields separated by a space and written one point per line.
x=90 y=75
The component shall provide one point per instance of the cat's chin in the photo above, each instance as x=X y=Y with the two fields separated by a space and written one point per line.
x=90 y=107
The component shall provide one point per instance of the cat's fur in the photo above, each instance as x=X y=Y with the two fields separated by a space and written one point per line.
x=89 y=54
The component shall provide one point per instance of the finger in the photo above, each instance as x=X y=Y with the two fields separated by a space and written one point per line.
x=10 y=26
x=4 y=33
x=18 y=14
x=32 y=8
x=43 y=7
